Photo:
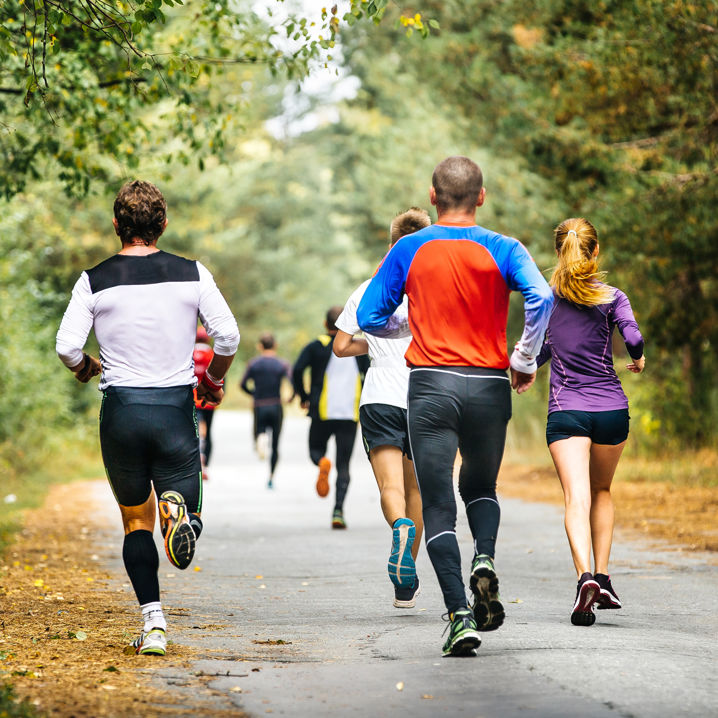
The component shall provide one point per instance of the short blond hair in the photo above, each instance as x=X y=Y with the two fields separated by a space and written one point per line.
x=408 y=222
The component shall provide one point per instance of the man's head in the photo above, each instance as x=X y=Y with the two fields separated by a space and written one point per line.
x=457 y=185
x=408 y=222
x=266 y=341
x=331 y=320
x=140 y=213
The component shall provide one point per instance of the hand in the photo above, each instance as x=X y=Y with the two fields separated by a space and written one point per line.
x=209 y=397
x=637 y=365
x=90 y=367
x=521 y=381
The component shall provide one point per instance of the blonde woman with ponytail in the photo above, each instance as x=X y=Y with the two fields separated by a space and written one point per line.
x=588 y=418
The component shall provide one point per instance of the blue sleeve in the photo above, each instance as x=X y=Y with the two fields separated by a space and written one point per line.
x=522 y=275
x=386 y=289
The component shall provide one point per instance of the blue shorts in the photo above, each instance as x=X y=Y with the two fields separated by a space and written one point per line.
x=602 y=427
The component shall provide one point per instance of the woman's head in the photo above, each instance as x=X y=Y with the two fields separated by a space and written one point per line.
x=576 y=277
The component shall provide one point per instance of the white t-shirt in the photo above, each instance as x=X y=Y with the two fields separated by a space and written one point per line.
x=341 y=376
x=387 y=381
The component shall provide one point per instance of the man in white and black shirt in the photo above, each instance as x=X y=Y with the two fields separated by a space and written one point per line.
x=143 y=305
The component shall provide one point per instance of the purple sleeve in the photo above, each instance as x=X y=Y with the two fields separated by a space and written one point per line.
x=544 y=354
x=627 y=325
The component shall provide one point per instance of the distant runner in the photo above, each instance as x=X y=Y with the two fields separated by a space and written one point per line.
x=202 y=358
x=262 y=380
x=382 y=414
x=333 y=405
x=458 y=277
x=143 y=305
x=588 y=418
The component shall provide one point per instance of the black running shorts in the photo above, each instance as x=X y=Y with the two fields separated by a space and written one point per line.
x=384 y=425
x=150 y=437
x=602 y=427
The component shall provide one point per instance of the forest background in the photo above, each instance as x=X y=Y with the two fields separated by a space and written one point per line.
x=286 y=137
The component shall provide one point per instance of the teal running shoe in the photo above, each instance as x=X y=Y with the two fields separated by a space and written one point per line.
x=401 y=567
x=486 y=605
x=463 y=637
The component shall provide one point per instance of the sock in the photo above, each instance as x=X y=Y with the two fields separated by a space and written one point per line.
x=141 y=562
x=196 y=523
x=153 y=617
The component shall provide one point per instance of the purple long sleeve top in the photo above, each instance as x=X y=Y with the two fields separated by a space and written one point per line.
x=578 y=343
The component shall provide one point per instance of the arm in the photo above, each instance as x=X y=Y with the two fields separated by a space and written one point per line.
x=345 y=345
x=244 y=383
x=627 y=325
x=303 y=361
x=386 y=290
x=523 y=275
x=73 y=332
x=222 y=327
x=544 y=355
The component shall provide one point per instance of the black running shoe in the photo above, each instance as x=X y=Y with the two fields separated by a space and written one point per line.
x=486 y=604
x=608 y=597
x=587 y=593
x=406 y=597
x=179 y=536
x=463 y=637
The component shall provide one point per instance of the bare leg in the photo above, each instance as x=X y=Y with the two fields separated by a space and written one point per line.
x=571 y=459
x=604 y=459
x=413 y=503
x=386 y=462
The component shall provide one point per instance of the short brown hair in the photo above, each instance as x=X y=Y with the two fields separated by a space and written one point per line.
x=140 y=211
x=267 y=340
x=332 y=316
x=408 y=222
x=457 y=182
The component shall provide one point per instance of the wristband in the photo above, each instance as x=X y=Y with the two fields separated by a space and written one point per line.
x=211 y=383
x=522 y=363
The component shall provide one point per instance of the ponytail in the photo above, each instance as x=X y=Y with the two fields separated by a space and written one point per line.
x=576 y=277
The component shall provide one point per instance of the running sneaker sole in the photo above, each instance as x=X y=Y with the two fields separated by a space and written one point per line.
x=325 y=466
x=408 y=603
x=607 y=601
x=401 y=566
x=488 y=610
x=465 y=645
x=180 y=539
x=582 y=614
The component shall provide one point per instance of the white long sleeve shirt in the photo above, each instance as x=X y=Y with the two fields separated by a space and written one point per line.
x=144 y=312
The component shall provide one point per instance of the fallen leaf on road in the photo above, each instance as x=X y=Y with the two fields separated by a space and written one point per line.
x=427 y=696
x=197 y=568
x=259 y=576
x=270 y=642
x=235 y=689
x=400 y=686
x=516 y=600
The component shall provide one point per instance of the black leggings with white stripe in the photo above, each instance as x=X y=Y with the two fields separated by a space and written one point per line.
x=464 y=408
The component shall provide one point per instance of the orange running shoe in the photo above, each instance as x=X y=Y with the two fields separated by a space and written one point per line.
x=323 y=479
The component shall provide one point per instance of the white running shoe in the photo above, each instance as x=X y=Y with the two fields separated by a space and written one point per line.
x=152 y=643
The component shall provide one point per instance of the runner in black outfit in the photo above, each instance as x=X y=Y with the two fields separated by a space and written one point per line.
x=263 y=381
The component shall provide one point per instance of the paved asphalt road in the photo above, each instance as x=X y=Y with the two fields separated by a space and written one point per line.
x=291 y=618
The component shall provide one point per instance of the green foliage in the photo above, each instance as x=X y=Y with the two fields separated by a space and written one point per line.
x=11 y=707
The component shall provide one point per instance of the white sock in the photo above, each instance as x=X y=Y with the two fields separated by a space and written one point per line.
x=153 y=617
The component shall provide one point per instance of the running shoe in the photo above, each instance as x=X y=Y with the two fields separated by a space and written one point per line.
x=262 y=445
x=608 y=597
x=587 y=593
x=406 y=597
x=152 y=643
x=463 y=637
x=323 y=478
x=179 y=537
x=338 y=521
x=401 y=567
x=486 y=605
